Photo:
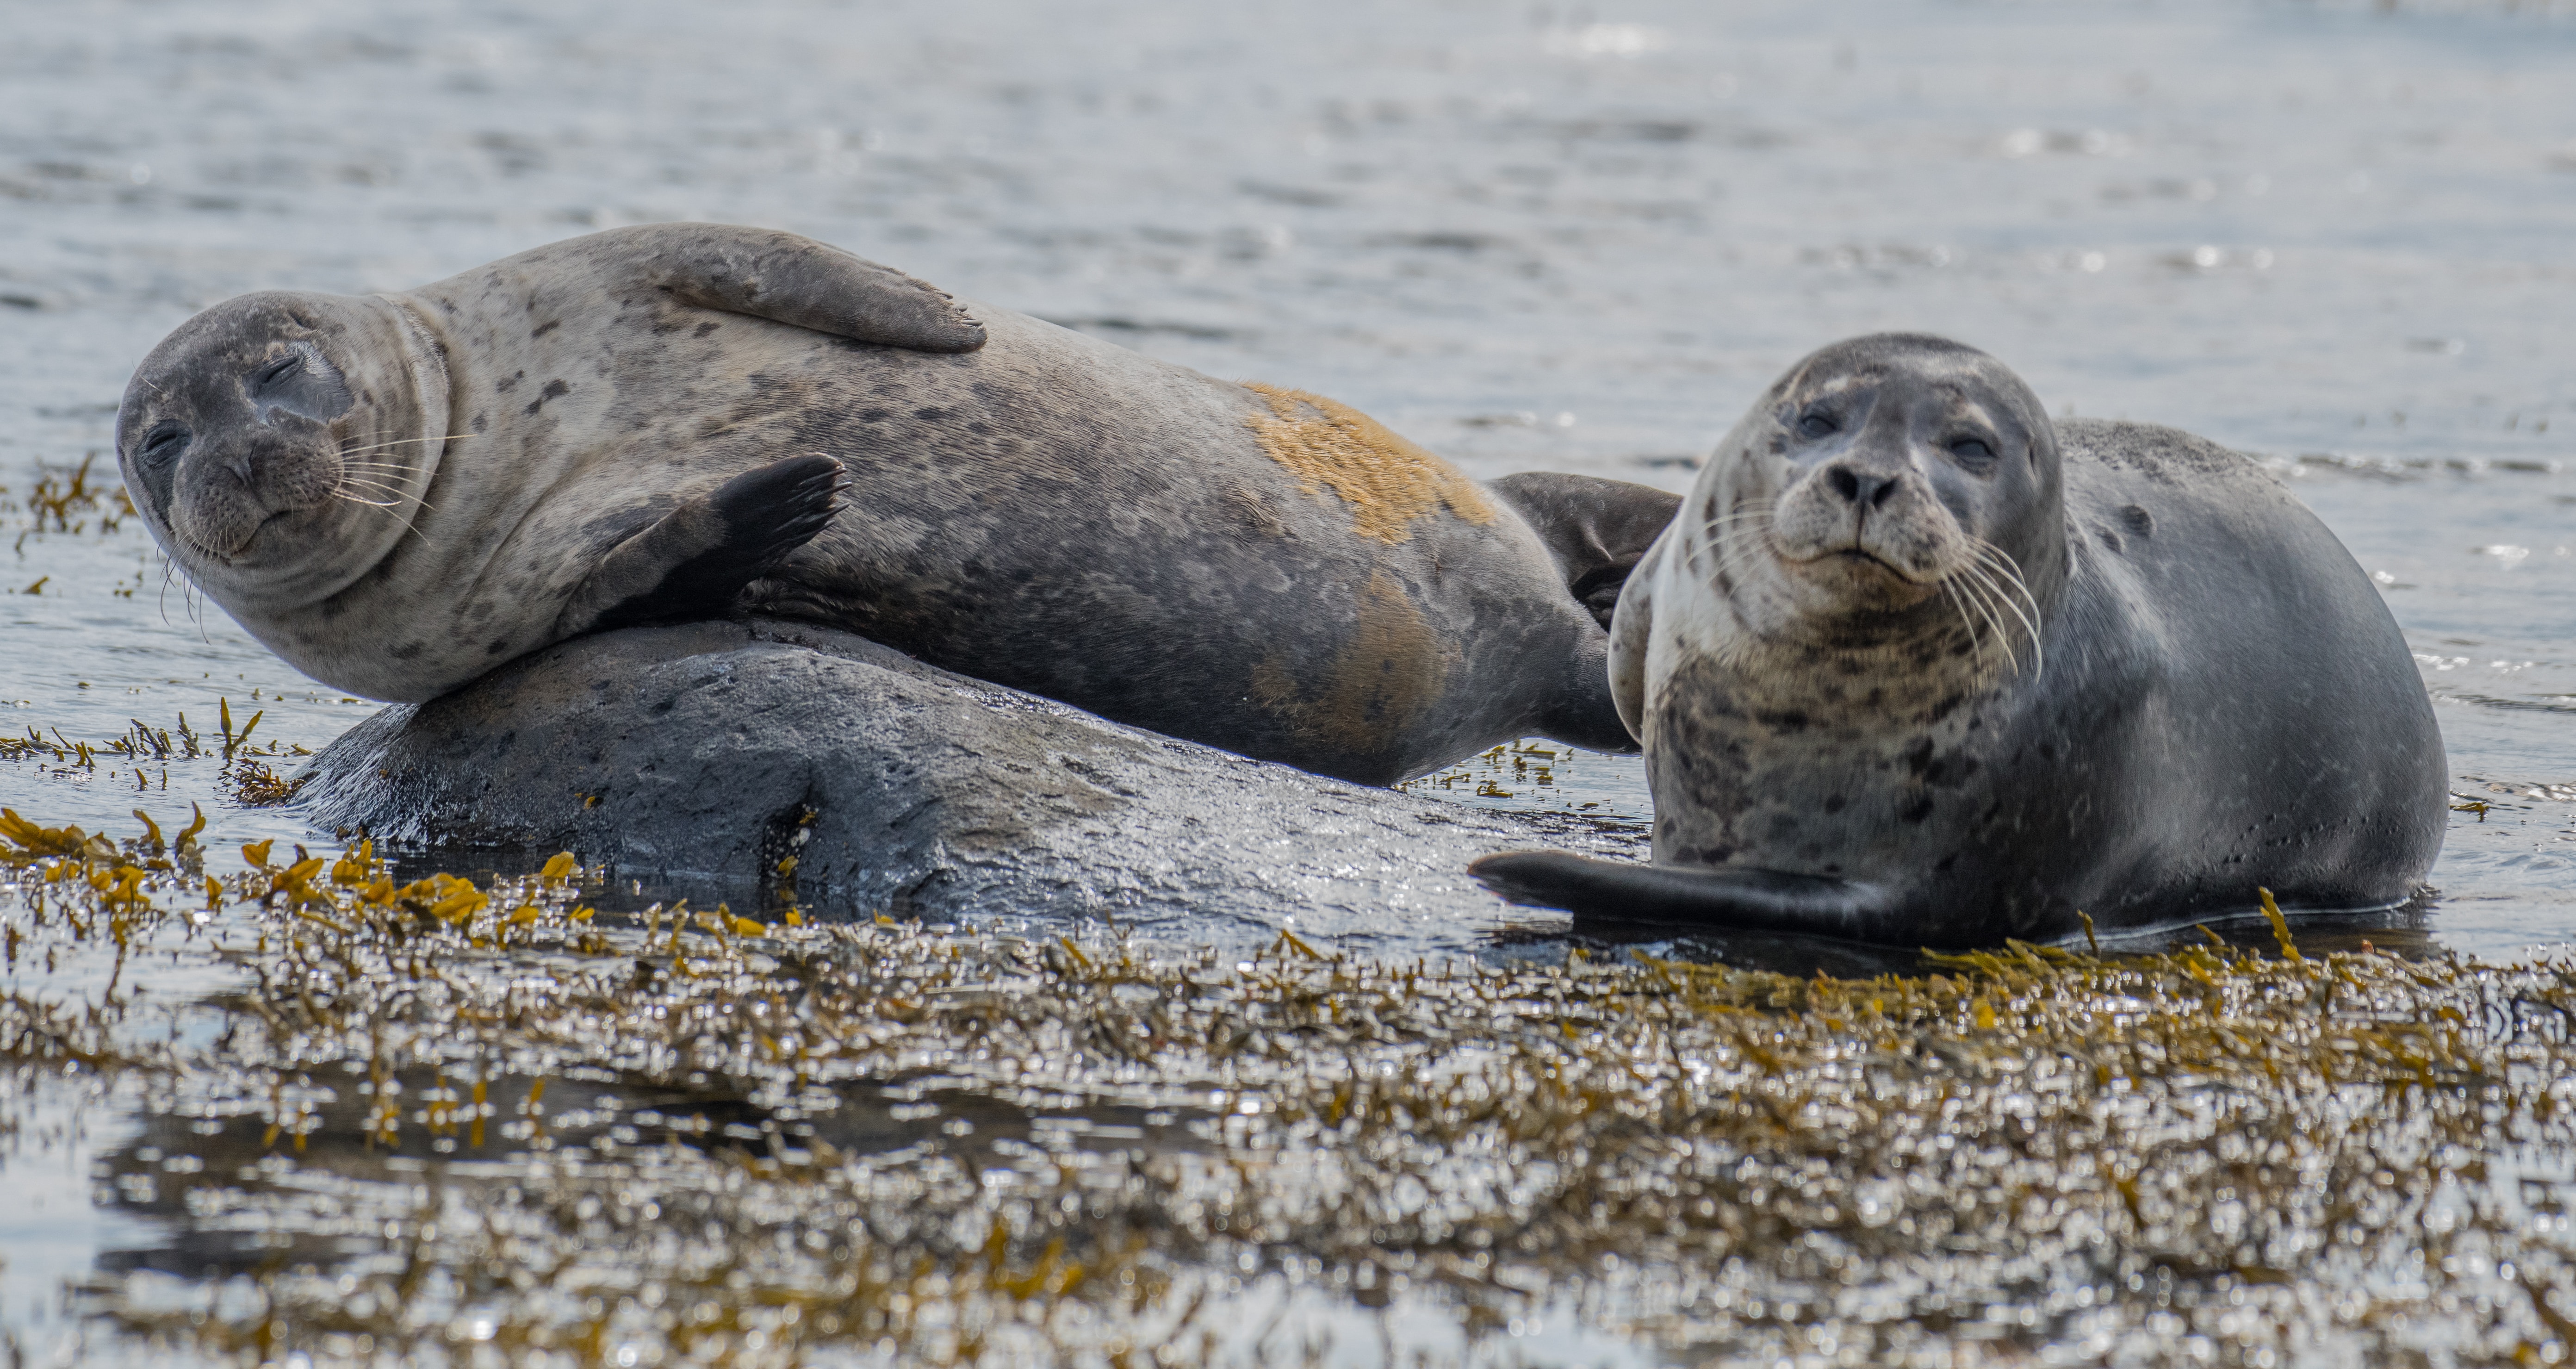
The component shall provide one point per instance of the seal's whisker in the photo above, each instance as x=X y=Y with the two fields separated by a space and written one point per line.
x=1996 y=559
x=2008 y=610
x=395 y=497
x=1731 y=548
x=1950 y=595
x=1733 y=553
x=1729 y=520
x=1992 y=597
x=388 y=508
x=2000 y=562
x=1980 y=591
x=407 y=441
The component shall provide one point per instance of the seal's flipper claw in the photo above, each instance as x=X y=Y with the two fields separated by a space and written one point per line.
x=1596 y=529
x=772 y=510
x=791 y=280
x=1724 y=899
x=695 y=561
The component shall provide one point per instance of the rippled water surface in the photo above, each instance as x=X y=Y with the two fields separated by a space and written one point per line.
x=2340 y=236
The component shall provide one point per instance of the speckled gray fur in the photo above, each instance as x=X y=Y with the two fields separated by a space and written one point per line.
x=1873 y=746
x=707 y=746
x=1023 y=503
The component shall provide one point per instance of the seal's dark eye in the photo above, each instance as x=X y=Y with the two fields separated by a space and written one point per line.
x=1815 y=425
x=163 y=444
x=1972 y=451
x=279 y=369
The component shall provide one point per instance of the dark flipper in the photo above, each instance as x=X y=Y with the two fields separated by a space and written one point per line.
x=1596 y=529
x=1722 y=899
x=694 y=561
x=793 y=280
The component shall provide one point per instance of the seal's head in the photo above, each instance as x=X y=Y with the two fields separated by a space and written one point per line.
x=278 y=443
x=1885 y=478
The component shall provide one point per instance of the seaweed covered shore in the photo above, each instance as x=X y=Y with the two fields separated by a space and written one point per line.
x=432 y=1120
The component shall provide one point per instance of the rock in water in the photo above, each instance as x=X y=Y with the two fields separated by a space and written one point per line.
x=722 y=749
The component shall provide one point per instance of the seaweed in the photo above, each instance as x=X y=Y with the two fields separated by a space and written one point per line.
x=445 y=1119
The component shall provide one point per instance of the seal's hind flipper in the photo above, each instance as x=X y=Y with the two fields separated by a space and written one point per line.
x=792 y=280
x=694 y=561
x=1734 y=900
x=1596 y=529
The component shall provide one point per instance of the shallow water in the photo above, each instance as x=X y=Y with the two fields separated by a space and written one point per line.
x=2335 y=235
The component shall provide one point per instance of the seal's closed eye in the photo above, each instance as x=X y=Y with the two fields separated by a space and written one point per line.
x=163 y=444
x=302 y=382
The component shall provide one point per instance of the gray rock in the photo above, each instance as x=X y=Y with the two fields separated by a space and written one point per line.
x=714 y=751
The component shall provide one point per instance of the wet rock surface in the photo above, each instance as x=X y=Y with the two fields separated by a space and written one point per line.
x=721 y=751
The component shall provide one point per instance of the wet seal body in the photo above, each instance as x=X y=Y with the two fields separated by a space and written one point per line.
x=1916 y=666
x=397 y=493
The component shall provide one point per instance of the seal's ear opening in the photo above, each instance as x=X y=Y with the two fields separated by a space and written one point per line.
x=1596 y=529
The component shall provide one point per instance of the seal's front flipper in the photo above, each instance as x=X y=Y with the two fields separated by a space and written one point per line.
x=694 y=561
x=793 y=280
x=1596 y=529
x=1722 y=899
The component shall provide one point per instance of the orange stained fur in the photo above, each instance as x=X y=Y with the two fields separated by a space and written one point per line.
x=1377 y=686
x=1387 y=481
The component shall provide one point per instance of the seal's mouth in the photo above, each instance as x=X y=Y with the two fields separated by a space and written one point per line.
x=1847 y=562
x=232 y=530
x=199 y=549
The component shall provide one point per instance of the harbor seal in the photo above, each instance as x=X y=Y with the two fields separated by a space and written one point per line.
x=398 y=492
x=1916 y=666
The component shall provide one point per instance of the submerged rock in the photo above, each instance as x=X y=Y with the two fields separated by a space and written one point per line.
x=719 y=751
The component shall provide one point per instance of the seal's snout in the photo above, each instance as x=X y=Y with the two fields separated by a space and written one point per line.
x=226 y=497
x=1861 y=489
x=1878 y=513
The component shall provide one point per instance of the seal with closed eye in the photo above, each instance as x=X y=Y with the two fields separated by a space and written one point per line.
x=398 y=492
x=1916 y=666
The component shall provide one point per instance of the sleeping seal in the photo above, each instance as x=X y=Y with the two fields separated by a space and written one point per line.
x=1915 y=666
x=397 y=493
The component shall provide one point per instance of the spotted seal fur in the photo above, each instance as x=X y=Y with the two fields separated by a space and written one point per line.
x=1917 y=666
x=398 y=492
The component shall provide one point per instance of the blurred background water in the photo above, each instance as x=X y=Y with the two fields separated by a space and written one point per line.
x=1582 y=238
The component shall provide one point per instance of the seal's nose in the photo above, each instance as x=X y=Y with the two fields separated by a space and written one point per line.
x=1867 y=489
